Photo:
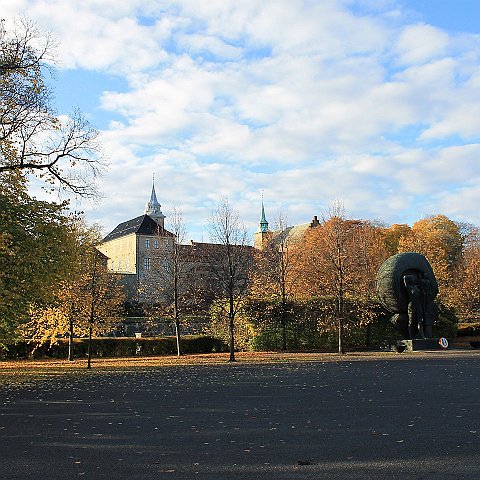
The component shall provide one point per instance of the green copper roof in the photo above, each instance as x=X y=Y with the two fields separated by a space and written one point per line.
x=263 y=225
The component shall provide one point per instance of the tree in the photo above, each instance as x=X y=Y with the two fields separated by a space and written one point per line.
x=35 y=252
x=273 y=274
x=168 y=282
x=467 y=276
x=102 y=294
x=87 y=301
x=33 y=139
x=393 y=235
x=339 y=258
x=441 y=241
x=177 y=268
x=230 y=261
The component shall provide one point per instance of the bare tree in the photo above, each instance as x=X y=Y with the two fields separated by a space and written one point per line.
x=62 y=151
x=231 y=261
x=177 y=268
x=273 y=276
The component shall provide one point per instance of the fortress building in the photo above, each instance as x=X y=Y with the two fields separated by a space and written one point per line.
x=139 y=249
x=133 y=246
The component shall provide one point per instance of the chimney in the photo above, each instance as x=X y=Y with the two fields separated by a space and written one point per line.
x=314 y=223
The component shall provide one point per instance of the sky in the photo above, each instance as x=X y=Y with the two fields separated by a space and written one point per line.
x=373 y=103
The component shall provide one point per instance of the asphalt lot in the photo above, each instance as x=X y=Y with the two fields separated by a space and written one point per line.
x=408 y=418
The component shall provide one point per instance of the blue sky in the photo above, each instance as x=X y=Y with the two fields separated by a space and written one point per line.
x=371 y=102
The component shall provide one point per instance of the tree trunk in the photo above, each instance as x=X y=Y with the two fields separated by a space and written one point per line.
x=284 y=327
x=340 y=310
x=70 y=342
x=89 y=348
x=176 y=314
x=232 y=341
x=177 y=334
x=368 y=340
x=231 y=315
x=341 y=348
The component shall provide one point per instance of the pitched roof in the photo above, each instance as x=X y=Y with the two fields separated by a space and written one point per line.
x=142 y=225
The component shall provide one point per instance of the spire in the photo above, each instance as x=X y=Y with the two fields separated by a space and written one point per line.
x=153 y=208
x=263 y=224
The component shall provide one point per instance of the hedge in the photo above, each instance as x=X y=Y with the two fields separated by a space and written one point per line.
x=468 y=329
x=311 y=325
x=116 y=347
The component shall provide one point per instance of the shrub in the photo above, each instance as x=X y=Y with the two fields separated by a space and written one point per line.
x=117 y=347
x=468 y=329
x=310 y=325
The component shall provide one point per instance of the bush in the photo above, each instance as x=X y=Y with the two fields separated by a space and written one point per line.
x=446 y=324
x=310 y=325
x=468 y=329
x=117 y=347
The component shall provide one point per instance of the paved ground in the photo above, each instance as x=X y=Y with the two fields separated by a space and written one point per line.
x=405 y=417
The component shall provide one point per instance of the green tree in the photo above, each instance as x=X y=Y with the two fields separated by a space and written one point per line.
x=35 y=252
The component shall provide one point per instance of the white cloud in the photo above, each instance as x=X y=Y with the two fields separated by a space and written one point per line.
x=308 y=100
x=421 y=43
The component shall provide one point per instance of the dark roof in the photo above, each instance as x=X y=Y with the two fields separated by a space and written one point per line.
x=142 y=225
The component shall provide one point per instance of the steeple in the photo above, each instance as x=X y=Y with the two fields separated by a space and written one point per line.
x=153 y=208
x=263 y=234
x=263 y=224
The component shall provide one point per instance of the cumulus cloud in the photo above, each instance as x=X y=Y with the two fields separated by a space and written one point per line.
x=310 y=101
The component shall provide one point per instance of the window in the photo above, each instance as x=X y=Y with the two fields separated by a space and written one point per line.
x=146 y=263
x=147 y=243
x=155 y=243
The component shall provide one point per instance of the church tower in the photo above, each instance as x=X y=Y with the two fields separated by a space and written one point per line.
x=263 y=234
x=153 y=208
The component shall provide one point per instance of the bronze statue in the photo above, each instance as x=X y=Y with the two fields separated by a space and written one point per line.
x=407 y=287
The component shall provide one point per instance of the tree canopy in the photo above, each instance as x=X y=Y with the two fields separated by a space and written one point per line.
x=36 y=247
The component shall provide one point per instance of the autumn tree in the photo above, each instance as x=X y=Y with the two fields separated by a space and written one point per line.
x=369 y=251
x=87 y=301
x=102 y=294
x=230 y=262
x=467 y=276
x=441 y=241
x=393 y=236
x=60 y=150
x=326 y=262
x=339 y=258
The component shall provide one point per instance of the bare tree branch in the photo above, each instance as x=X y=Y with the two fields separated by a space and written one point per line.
x=33 y=138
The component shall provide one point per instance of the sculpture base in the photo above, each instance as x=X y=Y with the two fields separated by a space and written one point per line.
x=417 y=345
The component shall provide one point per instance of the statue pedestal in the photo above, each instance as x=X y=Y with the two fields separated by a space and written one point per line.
x=418 y=345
